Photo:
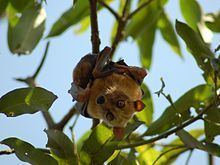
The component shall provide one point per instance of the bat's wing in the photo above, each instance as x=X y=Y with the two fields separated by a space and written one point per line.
x=82 y=108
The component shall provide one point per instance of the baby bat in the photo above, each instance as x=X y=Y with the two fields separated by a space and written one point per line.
x=107 y=90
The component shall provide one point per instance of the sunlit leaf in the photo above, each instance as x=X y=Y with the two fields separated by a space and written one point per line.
x=171 y=117
x=212 y=21
x=28 y=153
x=98 y=147
x=145 y=43
x=82 y=139
x=191 y=12
x=26 y=33
x=168 y=33
x=149 y=156
x=26 y=101
x=61 y=147
x=121 y=159
x=198 y=49
x=83 y=26
x=146 y=115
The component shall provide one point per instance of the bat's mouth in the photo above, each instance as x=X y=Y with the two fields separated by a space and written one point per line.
x=109 y=116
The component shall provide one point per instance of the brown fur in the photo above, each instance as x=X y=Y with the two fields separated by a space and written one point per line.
x=114 y=87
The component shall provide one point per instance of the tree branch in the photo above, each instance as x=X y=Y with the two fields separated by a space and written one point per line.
x=111 y=10
x=94 y=27
x=142 y=6
x=168 y=133
x=65 y=119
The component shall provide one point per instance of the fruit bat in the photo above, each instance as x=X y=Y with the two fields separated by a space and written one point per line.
x=107 y=90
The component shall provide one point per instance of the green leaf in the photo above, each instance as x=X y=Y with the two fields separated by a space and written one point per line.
x=168 y=33
x=170 y=117
x=28 y=153
x=23 y=40
x=191 y=142
x=212 y=21
x=98 y=147
x=145 y=43
x=82 y=140
x=121 y=159
x=173 y=155
x=146 y=115
x=144 y=19
x=61 y=147
x=198 y=49
x=149 y=156
x=71 y=17
x=191 y=12
x=26 y=101
x=20 y=5
x=212 y=124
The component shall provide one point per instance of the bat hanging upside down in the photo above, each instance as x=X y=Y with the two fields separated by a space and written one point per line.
x=106 y=90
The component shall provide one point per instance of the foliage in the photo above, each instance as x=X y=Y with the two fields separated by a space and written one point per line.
x=99 y=146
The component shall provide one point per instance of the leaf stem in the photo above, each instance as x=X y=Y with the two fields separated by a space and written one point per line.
x=139 y=9
x=42 y=61
x=111 y=10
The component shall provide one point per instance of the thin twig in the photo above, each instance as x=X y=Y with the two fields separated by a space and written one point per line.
x=142 y=6
x=189 y=156
x=94 y=27
x=31 y=82
x=42 y=61
x=162 y=154
x=168 y=133
x=111 y=10
x=66 y=119
x=125 y=8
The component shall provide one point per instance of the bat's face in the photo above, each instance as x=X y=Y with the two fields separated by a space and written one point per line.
x=115 y=99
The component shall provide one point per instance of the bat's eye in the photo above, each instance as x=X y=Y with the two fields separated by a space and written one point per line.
x=120 y=104
x=100 y=100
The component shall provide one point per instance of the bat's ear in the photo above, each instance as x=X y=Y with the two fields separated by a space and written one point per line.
x=139 y=105
x=138 y=74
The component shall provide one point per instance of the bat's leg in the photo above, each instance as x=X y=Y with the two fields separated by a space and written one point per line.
x=102 y=61
x=79 y=94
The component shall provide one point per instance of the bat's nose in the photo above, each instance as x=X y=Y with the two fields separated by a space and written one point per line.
x=110 y=116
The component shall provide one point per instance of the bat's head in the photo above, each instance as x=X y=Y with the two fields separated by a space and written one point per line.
x=117 y=108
